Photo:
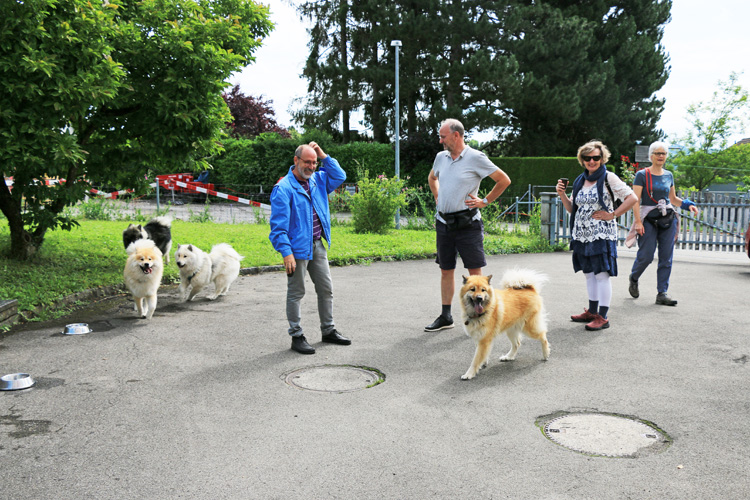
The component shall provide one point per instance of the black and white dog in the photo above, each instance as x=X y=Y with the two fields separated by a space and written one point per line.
x=157 y=230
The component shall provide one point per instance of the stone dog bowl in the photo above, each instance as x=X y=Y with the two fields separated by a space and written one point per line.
x=77 y=329
x=16 y=381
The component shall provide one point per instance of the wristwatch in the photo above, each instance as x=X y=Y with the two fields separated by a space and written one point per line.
x=484 y=200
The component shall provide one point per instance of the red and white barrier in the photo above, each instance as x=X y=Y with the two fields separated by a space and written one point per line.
x=113 y=194
x=221 y=195
x=167 y=185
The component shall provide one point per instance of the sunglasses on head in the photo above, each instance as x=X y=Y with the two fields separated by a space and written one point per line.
x=589 y=158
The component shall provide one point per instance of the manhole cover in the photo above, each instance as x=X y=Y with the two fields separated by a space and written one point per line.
x=334 y=378
x=606 y=434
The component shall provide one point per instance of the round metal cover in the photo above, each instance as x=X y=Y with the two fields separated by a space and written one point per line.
x=334 y=378
x=606 y=435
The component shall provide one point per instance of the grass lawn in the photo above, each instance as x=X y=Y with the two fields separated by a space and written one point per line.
x=92 y=255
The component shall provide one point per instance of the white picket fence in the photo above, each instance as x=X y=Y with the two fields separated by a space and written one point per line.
x=720 y=225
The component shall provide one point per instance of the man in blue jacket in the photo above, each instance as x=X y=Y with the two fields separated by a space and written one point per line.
x=300 y=220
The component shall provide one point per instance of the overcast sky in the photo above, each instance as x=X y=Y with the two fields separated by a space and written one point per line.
x=706 y=41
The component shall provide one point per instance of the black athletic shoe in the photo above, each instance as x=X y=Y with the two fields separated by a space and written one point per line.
x=441 y=323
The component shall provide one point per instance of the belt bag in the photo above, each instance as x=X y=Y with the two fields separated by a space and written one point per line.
x=661 y=221
x=459 y=220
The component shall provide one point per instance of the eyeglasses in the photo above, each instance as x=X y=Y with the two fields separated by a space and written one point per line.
x=660 y=153
x=589 y=158
x=309 y=163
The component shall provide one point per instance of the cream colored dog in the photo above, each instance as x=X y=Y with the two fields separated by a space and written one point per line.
x=198 y=269
x=142 y=275
x=516 y=307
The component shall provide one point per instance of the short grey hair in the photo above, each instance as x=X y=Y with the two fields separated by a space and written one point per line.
x=298 y=151
x=658 y=145
x=454 y=125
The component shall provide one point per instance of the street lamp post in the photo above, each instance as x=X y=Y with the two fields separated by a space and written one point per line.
x=397 y=44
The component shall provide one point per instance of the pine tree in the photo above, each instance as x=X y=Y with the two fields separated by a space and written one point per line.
x=587 y=71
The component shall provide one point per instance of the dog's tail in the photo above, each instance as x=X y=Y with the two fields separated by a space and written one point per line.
x=226 y=249
x=523 y=278
x=163 y=220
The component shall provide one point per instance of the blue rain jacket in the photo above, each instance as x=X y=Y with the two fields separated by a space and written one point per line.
x=291 y=209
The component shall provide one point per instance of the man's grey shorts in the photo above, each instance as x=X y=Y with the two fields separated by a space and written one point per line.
x=468 y=243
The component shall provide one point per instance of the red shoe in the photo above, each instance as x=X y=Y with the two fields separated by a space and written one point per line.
x=599 y=323
x=583 y=318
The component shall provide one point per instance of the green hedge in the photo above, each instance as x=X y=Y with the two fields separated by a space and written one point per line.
x=266 y=158
x=376 y=158
x=534 y=171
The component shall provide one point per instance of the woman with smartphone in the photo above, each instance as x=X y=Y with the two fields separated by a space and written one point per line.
x=594 y=230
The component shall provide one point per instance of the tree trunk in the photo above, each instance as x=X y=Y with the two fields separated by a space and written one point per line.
x=345 y=98
x=22 y=244
x=411 y=114
x=18 y=237
x=379 y=133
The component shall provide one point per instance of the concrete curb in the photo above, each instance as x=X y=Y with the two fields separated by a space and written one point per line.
x=9 y=314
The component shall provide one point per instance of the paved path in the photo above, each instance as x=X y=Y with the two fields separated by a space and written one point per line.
x=193 y=403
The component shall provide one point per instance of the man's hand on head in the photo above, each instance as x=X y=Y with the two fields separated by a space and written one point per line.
x=318 y=150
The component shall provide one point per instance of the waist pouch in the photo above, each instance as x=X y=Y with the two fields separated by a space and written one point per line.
x=455 y=221
x=661 y=221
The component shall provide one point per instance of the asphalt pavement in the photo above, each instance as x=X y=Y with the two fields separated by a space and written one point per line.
x=196 y=403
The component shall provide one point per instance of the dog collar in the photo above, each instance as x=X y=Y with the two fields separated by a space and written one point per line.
x=473 y=317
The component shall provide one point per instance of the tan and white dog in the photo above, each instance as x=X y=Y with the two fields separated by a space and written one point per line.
x=514 y=308
x=142 y=275
x=198 y=269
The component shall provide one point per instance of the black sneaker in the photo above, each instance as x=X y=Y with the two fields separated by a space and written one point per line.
x=633 y=288
x=665 y=300
x=441 y=323
x=299 y=344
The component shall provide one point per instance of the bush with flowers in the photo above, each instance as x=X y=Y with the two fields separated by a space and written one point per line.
x=375 y=204
x=628 y=170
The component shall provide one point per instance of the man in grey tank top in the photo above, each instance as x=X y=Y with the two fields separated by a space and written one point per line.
x=454 y=182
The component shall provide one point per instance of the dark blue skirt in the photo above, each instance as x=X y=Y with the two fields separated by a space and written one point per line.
x=596 y=257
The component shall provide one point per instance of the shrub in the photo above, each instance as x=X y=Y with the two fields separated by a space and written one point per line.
x=374 y=206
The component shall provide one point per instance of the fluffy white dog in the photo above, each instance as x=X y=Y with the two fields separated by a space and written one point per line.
x=143 y=271
x=198 y=269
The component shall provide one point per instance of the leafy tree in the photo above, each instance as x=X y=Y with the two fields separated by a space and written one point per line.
x=103 y=92
x=705 y=158
x=251 y=116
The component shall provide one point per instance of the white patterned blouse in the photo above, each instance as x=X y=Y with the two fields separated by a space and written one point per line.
x=587 y=229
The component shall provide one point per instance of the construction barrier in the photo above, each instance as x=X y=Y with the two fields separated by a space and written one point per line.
x=172 y=182
x=221 y=195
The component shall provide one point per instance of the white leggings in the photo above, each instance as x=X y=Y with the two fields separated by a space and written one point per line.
x=599 y=288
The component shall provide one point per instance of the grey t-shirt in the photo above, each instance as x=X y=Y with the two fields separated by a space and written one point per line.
x=459 y=178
